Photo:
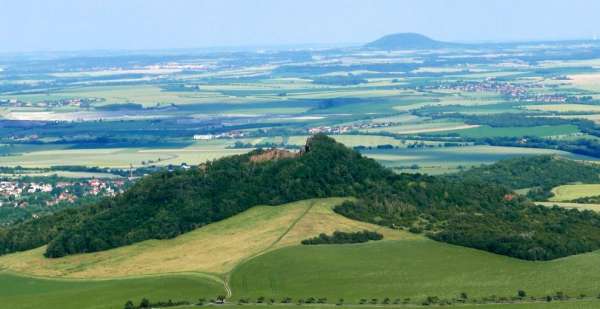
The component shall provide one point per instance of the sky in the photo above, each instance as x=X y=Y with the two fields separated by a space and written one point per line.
x=63 y=25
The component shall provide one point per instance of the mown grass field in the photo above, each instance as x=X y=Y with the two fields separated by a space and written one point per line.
x=20 y=292
x=570 y=192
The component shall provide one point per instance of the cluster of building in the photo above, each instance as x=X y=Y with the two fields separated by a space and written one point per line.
x=517 y=92
x=489 y=85
x=74 y=102
x=17 y=193
x=348 y=128
x=231 y=134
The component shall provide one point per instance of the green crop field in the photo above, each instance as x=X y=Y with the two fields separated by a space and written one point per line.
x=120 y=157
x=408 y=268
x=542 y=131
x=578 y=304
x=20 y=292
x=447 y=159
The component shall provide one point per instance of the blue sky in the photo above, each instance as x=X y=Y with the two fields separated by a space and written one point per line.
x=29 y=25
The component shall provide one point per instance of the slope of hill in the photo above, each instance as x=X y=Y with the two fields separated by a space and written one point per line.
x=407 y=41
x=539 y=174
x=21 y=292
x=414 y=269
x=215 y=248
x=476 y=214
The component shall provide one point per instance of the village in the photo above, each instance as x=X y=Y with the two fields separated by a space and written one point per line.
x=518 y=92
x=23 y=194
x=70 y=102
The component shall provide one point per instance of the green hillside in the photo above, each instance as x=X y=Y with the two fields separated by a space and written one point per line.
x=539 y=174
x=469 y=212
x=19 y=292
x=213 y=249
x=412 y=269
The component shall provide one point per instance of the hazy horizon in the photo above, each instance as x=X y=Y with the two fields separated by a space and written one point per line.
x=64 y=25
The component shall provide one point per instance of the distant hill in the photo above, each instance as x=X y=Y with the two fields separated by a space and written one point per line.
x=408 y=41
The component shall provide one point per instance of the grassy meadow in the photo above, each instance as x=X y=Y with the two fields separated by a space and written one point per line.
x=414 y=268
x=22 y=292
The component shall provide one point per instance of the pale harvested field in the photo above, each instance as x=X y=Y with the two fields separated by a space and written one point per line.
x=215 y=248
x=571 y=192
x=585 y=79
x=119 y=157
x=593 y=207
x=422 y=128
x=564 y=107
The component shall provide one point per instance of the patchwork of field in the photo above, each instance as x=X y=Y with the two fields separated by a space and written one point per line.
x=449 y=159
x=541 y=131
x=423 y=128
x=120 y=157
x=586 y=108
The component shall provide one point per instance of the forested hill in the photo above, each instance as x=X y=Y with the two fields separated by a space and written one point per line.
x=407 y=41
x=167 y=204
x=471 y=213
x=539 y=173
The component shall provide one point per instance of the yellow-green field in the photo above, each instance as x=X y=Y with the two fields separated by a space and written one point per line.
x=120 y=157
x=570 y=192
x=580 y=206
x=566 y=107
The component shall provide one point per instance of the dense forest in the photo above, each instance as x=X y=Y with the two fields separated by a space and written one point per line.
x=468 y=212
x=539 y=174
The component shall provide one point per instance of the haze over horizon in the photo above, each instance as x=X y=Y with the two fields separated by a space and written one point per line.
x=63 y=25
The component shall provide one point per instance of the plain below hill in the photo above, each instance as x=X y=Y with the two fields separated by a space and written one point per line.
x=401 y=41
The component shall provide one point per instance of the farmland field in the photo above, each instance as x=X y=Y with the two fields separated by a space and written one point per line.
x=21 y=292
x=486 y=131
x=443 y=160
x=118 y=157
x=570 y=192
x=110 y=189
x=407 y=268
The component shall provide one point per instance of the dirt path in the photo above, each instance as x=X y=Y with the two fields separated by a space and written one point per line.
x=227 y=277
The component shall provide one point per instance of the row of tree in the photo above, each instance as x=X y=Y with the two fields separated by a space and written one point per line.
x=339 y=237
